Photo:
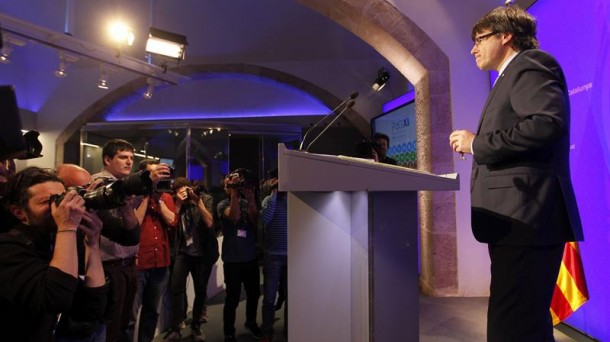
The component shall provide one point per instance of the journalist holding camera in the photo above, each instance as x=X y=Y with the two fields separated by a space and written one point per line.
x=41 y=294
x=156 y=216
x=195 y=252
x=121 y=232
x=239 y=215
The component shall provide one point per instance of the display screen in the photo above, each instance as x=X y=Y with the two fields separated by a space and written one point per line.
x=398 y=123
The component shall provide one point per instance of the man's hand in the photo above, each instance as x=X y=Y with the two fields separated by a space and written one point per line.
x=272 y=184
x=461 y=141
x=69 y=212
x=161 y=171
x=91 y=225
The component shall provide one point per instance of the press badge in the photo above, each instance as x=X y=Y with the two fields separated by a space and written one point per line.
x=242 y=233
x=189 y=240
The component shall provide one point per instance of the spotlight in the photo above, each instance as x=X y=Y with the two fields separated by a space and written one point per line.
x=61 y=69
x=64 y=59
x=121 y=33
x=6 y=47
x=5 y=56
x=102 y=82
x=166 y=44
x=149 y=90
x=382 y=78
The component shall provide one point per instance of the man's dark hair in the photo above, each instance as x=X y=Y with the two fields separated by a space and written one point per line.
x=147 y=161
x=510 y=19
x=16 y=192
x=113 y=146
x=180 y=182
x=382 y=136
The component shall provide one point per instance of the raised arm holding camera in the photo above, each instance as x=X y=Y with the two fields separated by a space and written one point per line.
x=196 y=251
x=239 y=216
x=156 y=216
x=119 y=241
x=39 y=259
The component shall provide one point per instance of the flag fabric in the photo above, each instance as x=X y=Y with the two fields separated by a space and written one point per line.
x=571 y=288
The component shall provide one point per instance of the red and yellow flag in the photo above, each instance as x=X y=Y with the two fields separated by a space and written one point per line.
x=571 y=288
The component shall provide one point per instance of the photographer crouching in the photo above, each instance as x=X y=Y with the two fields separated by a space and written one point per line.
x=39 y=261
x=239 y=216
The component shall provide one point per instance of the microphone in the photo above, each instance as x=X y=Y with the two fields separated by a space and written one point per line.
x=351 y=97
x=349 y=105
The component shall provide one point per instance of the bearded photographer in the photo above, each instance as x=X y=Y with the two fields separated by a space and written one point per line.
x=239 y=215
x=39 y=262
x=196 y=251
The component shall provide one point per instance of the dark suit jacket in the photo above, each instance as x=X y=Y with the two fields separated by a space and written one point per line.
x=521 y=190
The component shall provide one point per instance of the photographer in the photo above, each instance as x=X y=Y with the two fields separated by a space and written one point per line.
x=119 y=241
x=380 y=148
x=274 y=215
x=156 y=216
x=239 y=216
x=38 y=284
x=196 y=251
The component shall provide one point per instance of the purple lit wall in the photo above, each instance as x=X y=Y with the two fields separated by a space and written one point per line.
x=577 y=33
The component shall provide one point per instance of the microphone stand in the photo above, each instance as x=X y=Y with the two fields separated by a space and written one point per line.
x=349 y=105
x=351 y=97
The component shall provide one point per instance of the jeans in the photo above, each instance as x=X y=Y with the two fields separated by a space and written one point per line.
x=123 y=284
x=274 y=270
x=152 y=283
x=200 y=269
x=237 y=273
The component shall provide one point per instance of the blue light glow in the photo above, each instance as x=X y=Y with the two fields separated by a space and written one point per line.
x=399 y=101
x=218 y=96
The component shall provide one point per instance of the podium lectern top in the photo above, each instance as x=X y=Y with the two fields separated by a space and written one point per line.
x=303 y=171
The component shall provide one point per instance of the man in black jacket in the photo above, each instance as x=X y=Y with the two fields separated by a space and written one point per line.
x=39 y=286
x=523 y=205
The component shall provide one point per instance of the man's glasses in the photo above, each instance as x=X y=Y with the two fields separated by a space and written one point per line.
x=478 y=40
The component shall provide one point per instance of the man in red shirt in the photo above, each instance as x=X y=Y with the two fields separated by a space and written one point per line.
x=156 y=215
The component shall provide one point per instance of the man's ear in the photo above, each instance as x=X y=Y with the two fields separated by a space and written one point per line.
x=106 y=160
x=19 y=213
x=506 y=37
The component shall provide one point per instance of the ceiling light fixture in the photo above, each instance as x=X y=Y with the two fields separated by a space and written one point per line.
x=166 y=44
x=8 y=42
x=149 y=89
x=102 y=82
x=64 y=60
x=382 y=78
x=16 y=29
x=121 y=33
x=61 y=69
x=5 y=56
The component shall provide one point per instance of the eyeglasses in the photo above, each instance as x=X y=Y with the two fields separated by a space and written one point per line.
x=478 y=40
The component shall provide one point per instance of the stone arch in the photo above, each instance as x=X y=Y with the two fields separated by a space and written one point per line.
x=423 y=63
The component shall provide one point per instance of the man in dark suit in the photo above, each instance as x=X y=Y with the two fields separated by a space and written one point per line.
x=523 y=204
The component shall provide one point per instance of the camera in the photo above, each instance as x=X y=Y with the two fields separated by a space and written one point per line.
x=165 y=185
x=241 y=179
x=365 y=147
x=199 y=190
x=112 y=193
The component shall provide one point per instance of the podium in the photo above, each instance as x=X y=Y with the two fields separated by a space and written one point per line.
x=353 y=247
